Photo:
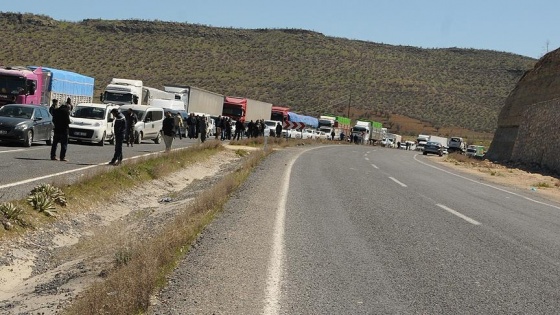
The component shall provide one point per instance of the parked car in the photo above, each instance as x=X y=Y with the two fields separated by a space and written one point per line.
x=184 y=115
x=92 y=123
x=150 y=122
x=268 y=126
x=433 y=147
x=25 y=124
x=476 y=151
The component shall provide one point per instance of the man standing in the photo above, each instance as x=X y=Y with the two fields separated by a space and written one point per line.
x=120 y=130
x=69 y=104
x=131 y=120
x=332 y=134
x=278 y=130
x=219 y=122
x=202 y=128
x=178 y=122
x=239 y=129
x=168 y=130
x=53 y=106
x=61 y=121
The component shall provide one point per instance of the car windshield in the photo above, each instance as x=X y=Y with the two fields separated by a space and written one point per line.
x=432 y=143
x=117 y=97
x=16 y=111
x=89 y=112
x=11 y=85
x=139 y=113
x=270 y=123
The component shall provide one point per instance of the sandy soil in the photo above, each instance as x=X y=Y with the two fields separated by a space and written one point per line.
x=42 y=271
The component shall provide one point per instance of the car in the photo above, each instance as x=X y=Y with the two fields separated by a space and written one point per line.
x=92 y=123
x=150 y=122
x=183 y=114
x=269 y=125
x=26 y=124
x=433 y=147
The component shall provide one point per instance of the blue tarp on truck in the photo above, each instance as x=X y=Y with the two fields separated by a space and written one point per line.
x=67 y=82
x=309 y=121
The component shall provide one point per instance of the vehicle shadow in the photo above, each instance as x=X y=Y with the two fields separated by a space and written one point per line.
x=48 y=159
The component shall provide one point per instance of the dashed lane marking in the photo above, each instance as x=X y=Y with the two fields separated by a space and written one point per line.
x=460 y=215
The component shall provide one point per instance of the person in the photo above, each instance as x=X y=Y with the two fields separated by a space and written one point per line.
x=69 y=104
x=219 y=122
x=239 y=128
x=191 y=122
x=131 y=120
x=202 y=128
x=61 y=122
x=53 y=106
x=332 y=134
x=120 y=130
x=278 y=130
x=178 y=123
x=168 y=130
x=342 y=136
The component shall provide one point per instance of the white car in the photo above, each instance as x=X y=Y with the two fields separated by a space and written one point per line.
x=92 y=123
x=268 y=126
x=308 y=134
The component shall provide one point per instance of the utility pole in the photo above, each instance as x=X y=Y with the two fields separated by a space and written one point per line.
x=349 y=103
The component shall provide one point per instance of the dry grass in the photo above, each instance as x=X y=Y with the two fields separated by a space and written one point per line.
x=143 y=264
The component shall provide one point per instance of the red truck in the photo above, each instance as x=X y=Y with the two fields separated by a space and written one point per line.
x=246 y=109
x=279 y=113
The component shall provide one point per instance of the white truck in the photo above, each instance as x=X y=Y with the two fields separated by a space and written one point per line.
x=132 y=92
x=196 y=100
x=92 y=123
x=442 y=140
x=362 y=131
x=421 y=141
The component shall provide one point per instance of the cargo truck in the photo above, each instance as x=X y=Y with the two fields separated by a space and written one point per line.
x=279 y=113
x=246 y=109
x=196 y=100
x=132 y=92
x=361 y=131
x=40 y=85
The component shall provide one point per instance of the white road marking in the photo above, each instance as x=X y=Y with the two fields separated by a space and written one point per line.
x=24 y=149
x=398 y=182
x=273 y=285
x=367 y=159
x=462 y=216
x=487 y=185
x=34 y=179
x=374 y=166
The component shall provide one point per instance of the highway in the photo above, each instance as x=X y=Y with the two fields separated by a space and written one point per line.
x=368 y=230
x=21 y=169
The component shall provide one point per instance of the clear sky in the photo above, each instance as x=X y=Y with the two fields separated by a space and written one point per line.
x=525 y=27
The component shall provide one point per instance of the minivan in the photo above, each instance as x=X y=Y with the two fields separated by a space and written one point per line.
x=150 y=122
x=92 y=123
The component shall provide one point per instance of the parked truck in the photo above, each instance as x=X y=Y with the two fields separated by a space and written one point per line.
x=442 y=140
x=279 y=113
x=132 y=92
x=246 y=109
x=196 y=100
x=40 y=85
x=361 y=131
x=377 y=132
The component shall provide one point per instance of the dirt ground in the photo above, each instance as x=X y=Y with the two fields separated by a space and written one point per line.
x=43 y=271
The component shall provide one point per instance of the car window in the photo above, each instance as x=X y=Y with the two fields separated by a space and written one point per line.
x=157 y=115
x=44 y=112
x=38 y=114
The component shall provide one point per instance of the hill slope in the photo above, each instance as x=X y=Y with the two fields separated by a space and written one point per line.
x=307 y=71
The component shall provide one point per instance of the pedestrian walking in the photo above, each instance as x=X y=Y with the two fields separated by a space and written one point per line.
x=120 y=131
x=61 y=121
x=131 y=120
x=178 y=122
x=168 y=130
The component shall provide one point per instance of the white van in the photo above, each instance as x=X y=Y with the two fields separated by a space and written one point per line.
x=92 y=123
x=150 y=122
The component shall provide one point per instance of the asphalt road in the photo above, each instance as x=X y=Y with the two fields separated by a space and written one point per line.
x=21 y=169
x=367 y=230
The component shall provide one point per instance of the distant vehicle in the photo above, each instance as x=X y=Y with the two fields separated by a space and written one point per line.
x=457 y=144
x=476 y=151
x=150 y=122
x=26 y=124
x=433 y=147
x=268 y=126
x=308 y=134
x=184 y=116
x=92 y=123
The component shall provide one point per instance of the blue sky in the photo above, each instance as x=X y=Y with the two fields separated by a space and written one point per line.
x=528 y=27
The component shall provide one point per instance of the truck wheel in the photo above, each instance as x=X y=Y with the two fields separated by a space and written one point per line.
x=102 y=142
x=157 y=140
x=138 y=138
x=28 y=140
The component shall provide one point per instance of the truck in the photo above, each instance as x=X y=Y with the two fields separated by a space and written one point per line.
x=377 y=132
x=279 y=113
x=40 y=85
x=246 y=109
x=197 y=100
x=421 y=141
x=132 y=92
x=362 y=131
x=457 y=144
x=441 y=140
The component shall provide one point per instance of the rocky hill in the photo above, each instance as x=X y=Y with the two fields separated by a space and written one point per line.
x=307 y=71
x=528 y=123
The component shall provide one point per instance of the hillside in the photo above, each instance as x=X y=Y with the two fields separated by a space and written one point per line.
x=307 y=71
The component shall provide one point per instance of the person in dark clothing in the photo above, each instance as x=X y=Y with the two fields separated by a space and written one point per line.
x=239 y=128
x=202 y=128
x=191 y=122
x=69 y=104
x=228 y=128
x=61 y=121
x=131 y=120
x=250 y=129
x=278 y=130
x=120 y=131
x=332 y=135
x=53 y=106
x=168 y=130
x=219 y=127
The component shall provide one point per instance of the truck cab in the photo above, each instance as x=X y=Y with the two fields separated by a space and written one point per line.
x=123 y=92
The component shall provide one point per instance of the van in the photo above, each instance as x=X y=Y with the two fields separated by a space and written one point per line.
x=92 y=122
x=150 y=122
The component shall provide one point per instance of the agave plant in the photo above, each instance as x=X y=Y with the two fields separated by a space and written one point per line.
x=10 y=211
x=52 y=192
x=42 y=203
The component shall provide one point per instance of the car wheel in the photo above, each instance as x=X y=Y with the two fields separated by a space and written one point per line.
x=425 y=153
x=102 y=142
x=28 y=140
x=138 y=138
x=157 y=140
x=440 y=154
x=50 y=139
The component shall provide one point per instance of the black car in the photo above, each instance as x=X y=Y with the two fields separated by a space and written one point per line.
x=25 y=123
x=433 y=147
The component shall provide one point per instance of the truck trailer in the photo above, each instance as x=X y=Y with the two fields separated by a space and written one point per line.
x=196 y=100
x=40 y=85
x=246 y=109
x=132 y=92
